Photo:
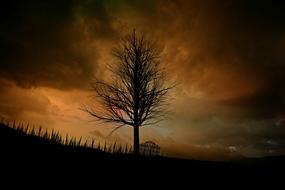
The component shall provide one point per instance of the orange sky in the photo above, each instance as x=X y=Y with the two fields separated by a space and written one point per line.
x=227 y=57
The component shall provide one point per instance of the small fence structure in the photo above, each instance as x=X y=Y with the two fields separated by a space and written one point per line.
x=149 y=148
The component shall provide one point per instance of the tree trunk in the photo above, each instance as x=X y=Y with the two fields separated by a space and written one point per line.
x=136 y=141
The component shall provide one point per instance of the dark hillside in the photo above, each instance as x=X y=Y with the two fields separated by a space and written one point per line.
x=21 y=149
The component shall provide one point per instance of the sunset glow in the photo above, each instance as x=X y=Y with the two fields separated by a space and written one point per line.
x=227 y=58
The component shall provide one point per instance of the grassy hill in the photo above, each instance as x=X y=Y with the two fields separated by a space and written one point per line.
x=24 y=143
x=20 y=147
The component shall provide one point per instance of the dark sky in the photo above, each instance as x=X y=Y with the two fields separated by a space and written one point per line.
x=227 y=55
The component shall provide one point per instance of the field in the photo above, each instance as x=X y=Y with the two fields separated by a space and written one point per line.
x=29 y=148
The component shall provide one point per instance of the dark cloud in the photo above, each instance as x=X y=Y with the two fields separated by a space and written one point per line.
x=232 y=46
x=49 y=43
x=256 y=34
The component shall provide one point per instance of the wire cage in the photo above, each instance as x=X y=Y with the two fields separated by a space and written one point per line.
x=149 y=148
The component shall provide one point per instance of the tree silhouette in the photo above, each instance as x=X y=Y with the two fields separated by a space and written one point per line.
x=137 y=94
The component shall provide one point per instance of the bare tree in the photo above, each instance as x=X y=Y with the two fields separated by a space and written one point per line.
x=136 y=96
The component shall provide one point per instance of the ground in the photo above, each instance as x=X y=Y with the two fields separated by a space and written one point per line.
x=19 y=150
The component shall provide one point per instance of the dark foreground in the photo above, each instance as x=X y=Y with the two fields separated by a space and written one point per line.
x=21 y=153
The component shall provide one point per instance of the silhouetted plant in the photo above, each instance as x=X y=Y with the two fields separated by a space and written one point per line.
x=137 y=95
x=55 y=138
